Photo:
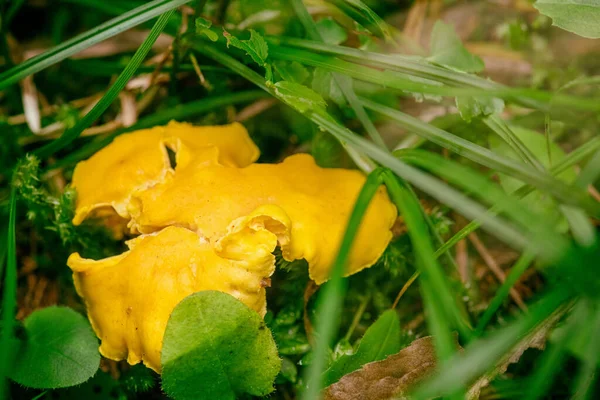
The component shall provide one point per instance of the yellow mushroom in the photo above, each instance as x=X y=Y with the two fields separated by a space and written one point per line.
x=210 y=223
x=318 y=201
x=129 y=297
x=138 y=160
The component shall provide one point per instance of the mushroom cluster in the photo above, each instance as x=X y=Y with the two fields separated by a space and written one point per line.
x=207 y=217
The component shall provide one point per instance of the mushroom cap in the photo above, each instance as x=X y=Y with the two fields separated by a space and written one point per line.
x=318 y=201
x=138 y=160
x=130 y=297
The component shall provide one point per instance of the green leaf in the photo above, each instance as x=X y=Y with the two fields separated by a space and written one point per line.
x=324 y=83
x=217 y=346
x=203 y=28
x=472 y=107
x=60 y=350
x=331 y=31
x=380 y=340
x=300 y=97
x=256 y=47
x=447 y=50
x=291 y=71
x=578 y=16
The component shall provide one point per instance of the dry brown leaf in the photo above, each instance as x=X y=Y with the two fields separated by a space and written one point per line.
x=389 y=378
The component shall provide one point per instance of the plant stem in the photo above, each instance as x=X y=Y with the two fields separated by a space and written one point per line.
x=9 y=297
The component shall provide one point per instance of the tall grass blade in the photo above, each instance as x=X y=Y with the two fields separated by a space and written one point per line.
x=9 y=295
x=332 y=296
x=443 y=311
x=502 y=294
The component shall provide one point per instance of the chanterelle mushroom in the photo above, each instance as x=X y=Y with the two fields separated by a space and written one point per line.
x=138 y=160
x=210 y=223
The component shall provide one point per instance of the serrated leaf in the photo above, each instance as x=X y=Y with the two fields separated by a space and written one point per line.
x=256 y=47
x=578 y=16
x=380 y=340
x=473 y=107
x=291 y=71
x=217 y=346
x=447 y=50
x=331 y=31
x=203 y=28
x=60 y=350
x=390 y=378
x=300 y=97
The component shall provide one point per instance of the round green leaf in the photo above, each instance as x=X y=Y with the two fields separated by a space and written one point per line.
x=60 y=350
x=215 y=347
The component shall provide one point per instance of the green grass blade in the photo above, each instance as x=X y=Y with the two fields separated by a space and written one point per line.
x=573 y=158
x=179 y=112
x=567 y=194
x=500 y=127
x=367 y=17
x=443 y=311
x=482 y=355
x=397 y=62
x=9 y=295
x=407 y=83
x=541 y=233
x=112 y=93
x=345 y=85
x=102 y=32
x=502 y=294
x=332 y=296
